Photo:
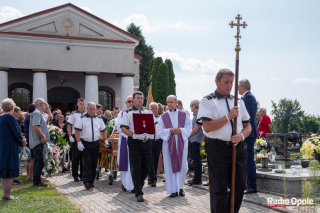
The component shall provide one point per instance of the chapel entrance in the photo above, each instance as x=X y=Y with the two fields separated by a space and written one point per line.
x=64 y=98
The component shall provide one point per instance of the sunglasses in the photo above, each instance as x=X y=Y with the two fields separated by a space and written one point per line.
x=129 y=102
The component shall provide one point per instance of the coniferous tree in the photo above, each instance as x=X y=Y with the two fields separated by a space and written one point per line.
x=161 y=81
x=154 y=72
x=146 y=51
x=171 y=77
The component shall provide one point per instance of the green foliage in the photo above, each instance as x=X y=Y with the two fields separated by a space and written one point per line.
x=146 y=51
x=314 y=177
x=171 y=77
x=288 y=116
x=311 y=123
x=156 y=62
x=161 y=81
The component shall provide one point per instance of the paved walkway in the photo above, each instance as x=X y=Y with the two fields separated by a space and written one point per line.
x=110 y=198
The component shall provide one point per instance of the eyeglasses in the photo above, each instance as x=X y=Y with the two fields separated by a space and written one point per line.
x=129 y=102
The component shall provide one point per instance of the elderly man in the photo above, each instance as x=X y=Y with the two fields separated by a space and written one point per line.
x=251 y=106
x=264 y=126
x=87 y=134
x=196 y=139
x=156 y=148
x=216 y=113
x=38 y=136
x=123 y=153
x=174 y=127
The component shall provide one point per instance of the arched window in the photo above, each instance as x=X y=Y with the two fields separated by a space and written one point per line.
x=106 y=97
x=21 y=94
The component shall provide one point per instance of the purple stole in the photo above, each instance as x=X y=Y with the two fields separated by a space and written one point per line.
x=123 y=163
x=175 y=155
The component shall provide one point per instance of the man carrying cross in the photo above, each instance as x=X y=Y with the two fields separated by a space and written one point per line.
x=174 y=127
x=216 y=114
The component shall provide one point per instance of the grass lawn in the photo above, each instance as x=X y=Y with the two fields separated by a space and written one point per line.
x=36 y=199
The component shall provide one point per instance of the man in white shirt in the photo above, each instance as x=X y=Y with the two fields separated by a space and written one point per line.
x=216 y=113
x=87 y=133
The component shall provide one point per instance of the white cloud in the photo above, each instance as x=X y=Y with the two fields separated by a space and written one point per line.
x=194 y=78
x=86 y=9
x=306 y=80
x=9 y=13
x=142 y=21
x=192 y=65
x=274 y=79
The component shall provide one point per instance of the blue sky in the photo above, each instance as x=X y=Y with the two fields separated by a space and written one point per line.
x=280 y=46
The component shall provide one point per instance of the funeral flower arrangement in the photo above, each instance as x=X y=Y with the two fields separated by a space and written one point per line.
x=111 y=127
x=25 y=154
x=56 y=134
x=260 y=145
x=310 y=146
x=51 y=157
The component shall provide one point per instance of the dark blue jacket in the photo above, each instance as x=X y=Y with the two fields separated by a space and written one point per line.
x=251 y=105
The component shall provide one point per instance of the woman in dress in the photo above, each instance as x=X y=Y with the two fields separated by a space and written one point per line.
x=10 y=139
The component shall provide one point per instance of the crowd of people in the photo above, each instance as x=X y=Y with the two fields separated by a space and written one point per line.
x=138 y=154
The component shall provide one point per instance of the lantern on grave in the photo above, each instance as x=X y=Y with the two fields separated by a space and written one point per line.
x=280 y=164
x=296 y=167
x=272 y=155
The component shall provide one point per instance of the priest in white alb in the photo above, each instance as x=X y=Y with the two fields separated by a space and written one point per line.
x=174 y=127
x=123 y=151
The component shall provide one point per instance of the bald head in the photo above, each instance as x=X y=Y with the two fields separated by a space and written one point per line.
x=91 y=109
x=172 y=102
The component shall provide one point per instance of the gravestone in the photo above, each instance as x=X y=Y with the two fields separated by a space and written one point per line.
x=280 y=142
x=294 y=142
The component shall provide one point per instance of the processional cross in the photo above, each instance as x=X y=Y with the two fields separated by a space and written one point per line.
x=234 y=131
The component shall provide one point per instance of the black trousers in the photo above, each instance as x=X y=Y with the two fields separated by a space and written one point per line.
x=76 y=159
x=219 y=155
x=156 y=149
x=90 y=156
x=38 y=163
x=195 y=151
x=140 y=160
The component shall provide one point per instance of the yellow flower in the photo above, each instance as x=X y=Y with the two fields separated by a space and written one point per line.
x=317 y=148
x=313 y=138
x=313 y=135
x=302 y=149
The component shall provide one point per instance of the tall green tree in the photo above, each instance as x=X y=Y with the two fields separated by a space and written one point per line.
x=156 y=62
x=287 y=116
x=311 y=124
x=146 y=51
x=161 y=81
x=171 y=77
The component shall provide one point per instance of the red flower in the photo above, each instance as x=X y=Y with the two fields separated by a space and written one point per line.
x=55 y=149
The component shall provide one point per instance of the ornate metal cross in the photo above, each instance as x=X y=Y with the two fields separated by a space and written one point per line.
x=238 y=25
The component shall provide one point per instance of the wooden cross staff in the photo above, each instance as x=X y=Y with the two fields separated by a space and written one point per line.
x=234 y=131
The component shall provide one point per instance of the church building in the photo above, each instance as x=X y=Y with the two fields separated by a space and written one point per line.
x=64 y=53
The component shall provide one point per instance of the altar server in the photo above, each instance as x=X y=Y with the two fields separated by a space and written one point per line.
x=174 y=127
x=123 y=151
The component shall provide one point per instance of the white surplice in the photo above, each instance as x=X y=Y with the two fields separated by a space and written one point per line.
x=125 y=176
x=174 y=181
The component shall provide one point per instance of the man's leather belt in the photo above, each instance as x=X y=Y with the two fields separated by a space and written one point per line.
x=215 y=140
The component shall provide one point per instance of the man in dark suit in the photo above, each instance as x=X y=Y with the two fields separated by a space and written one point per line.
x=251 y=105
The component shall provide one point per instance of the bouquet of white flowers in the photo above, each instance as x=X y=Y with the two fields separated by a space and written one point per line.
x=25 y=154
x=260 y=145
x=51 y=158
x=111 y=127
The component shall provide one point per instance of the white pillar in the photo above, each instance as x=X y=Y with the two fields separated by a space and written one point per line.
x=3 y=84
x=40 y=84
x=91 y=88
x=126 y=89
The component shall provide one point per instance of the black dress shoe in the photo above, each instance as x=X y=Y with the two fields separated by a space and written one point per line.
x=195 y=182
x=181 y=193
x=76 y=179
x=250 y=191
x=132 y=191
x=64 y=169
x=190 y=181
x=164 y=180
x=81 y=179
x=123 y=188
x=140 y=198
x=154 y=184
x=174 y=194
x=87 y=185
